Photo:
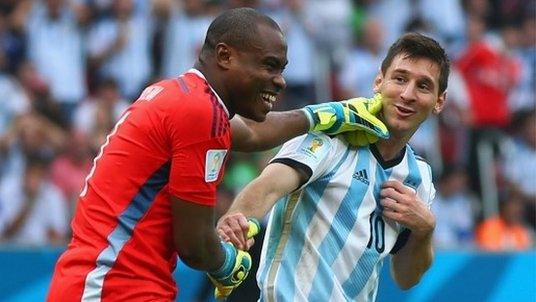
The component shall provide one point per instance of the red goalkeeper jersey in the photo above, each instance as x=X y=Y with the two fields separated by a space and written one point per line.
x=172 y=141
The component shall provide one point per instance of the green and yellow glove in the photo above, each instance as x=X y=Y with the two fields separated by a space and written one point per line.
x=235 y=267
x=367 y=109
x=351 y=115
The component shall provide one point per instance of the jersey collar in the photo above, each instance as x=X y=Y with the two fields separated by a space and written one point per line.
x=387 y=164
x=200 y=74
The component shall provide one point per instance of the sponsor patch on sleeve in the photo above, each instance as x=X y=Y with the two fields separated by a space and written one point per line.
x=313 y=147
x=213 y=164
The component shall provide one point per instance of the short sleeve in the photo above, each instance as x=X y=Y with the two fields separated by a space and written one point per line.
x=200 y=140
x=312 y=150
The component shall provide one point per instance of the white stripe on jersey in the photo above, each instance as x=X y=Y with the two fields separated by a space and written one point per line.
x=316 y=243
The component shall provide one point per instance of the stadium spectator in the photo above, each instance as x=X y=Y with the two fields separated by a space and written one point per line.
x=119 y=47
x=61 y=62
x=361 y=65
x=301 y=31
x=489 y=75
x=69 y=169
x=520 y=163
x=38 y=93
x=13 y=99
x=342 y=210
x=96 y=116
x=454 y=207
x=523 y=96
x=12 y=42
x=506 y=231
x=183 y=37
x=29 y=134
x=24 y=199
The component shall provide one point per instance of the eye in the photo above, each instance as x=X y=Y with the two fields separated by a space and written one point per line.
x=399 y=79
x=424 y=87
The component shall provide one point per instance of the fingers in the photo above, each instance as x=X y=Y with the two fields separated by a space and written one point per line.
x=250 y=243
x=398 y=186
x=392 y=193
x=389 y=204
x=234 y=228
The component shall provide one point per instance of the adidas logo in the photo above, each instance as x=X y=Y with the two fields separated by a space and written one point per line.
x=361 y=176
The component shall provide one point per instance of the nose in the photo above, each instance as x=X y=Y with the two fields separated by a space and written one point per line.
x=408 y=92
x=280 y=82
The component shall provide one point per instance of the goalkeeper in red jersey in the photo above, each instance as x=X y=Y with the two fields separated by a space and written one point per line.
x=150 y=194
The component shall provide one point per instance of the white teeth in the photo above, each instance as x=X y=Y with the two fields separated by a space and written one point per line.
x=269 y=97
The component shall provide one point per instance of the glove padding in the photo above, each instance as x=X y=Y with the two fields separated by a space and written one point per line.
x=235 y=267
x=351 y=115
x=367 y=109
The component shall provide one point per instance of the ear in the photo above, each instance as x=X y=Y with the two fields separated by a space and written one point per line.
x=223 y=55
x=378 y=82
x=440 y=103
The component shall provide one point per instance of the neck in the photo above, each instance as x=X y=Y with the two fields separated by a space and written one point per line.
x=214 y=82
x=390 y=148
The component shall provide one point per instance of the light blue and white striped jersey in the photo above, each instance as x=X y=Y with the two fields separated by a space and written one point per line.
x=327 y=240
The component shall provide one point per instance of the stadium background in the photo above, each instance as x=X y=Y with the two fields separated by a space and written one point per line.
x=68 y=68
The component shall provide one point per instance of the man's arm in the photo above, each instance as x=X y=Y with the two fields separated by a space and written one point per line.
x=354 y=116
x=249 y=136
x=256 y=199
x=413 y=260
x=194 y=236
x=402 y=205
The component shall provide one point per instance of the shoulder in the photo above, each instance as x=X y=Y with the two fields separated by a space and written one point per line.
x=422 y=163
x=311 y=143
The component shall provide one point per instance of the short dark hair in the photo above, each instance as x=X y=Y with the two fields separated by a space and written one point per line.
x=416 y=45
x=236 y=27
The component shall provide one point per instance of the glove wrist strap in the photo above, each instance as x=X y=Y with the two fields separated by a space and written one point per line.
x=228 y=261
x=309 y=115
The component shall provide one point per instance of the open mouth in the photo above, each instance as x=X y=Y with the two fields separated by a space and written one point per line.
x=269 y=99
x=404 y=111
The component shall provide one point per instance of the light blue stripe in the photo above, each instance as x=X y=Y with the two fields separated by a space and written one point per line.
x=414 y=178
x=132 y=214
x=275 y=235
x=339 y=231
x=303 y=214
x=365 y=265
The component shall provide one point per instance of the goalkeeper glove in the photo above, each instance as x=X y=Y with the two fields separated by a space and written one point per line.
x=235 y=267
x=351 y=115
x=367 y=109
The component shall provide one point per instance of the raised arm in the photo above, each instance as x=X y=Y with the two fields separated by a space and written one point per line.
x=256 y=199
x=249 y=136
x=354 y=116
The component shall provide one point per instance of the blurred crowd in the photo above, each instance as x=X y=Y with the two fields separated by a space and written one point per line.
x=68 y=69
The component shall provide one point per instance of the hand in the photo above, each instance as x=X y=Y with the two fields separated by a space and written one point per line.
x=367 y=109
x=238 y=230
x=233 y=271
x=235 y=267
x=401 y=204
x=351 y=115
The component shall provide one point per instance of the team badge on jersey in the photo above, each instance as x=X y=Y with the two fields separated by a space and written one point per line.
x=213 y=164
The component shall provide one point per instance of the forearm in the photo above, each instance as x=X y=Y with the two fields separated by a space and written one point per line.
x=254 y=201
x=275 y=130
x=19 y=221
x=412 y=261
x=194 y=235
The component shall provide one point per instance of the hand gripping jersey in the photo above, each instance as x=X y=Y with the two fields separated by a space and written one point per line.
x=172 y=141
x=327 y=240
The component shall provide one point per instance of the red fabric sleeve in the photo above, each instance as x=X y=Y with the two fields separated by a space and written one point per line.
x=198 y=155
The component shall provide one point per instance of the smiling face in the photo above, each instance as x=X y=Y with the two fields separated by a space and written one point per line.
x=255 y=76
x=410 y=90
